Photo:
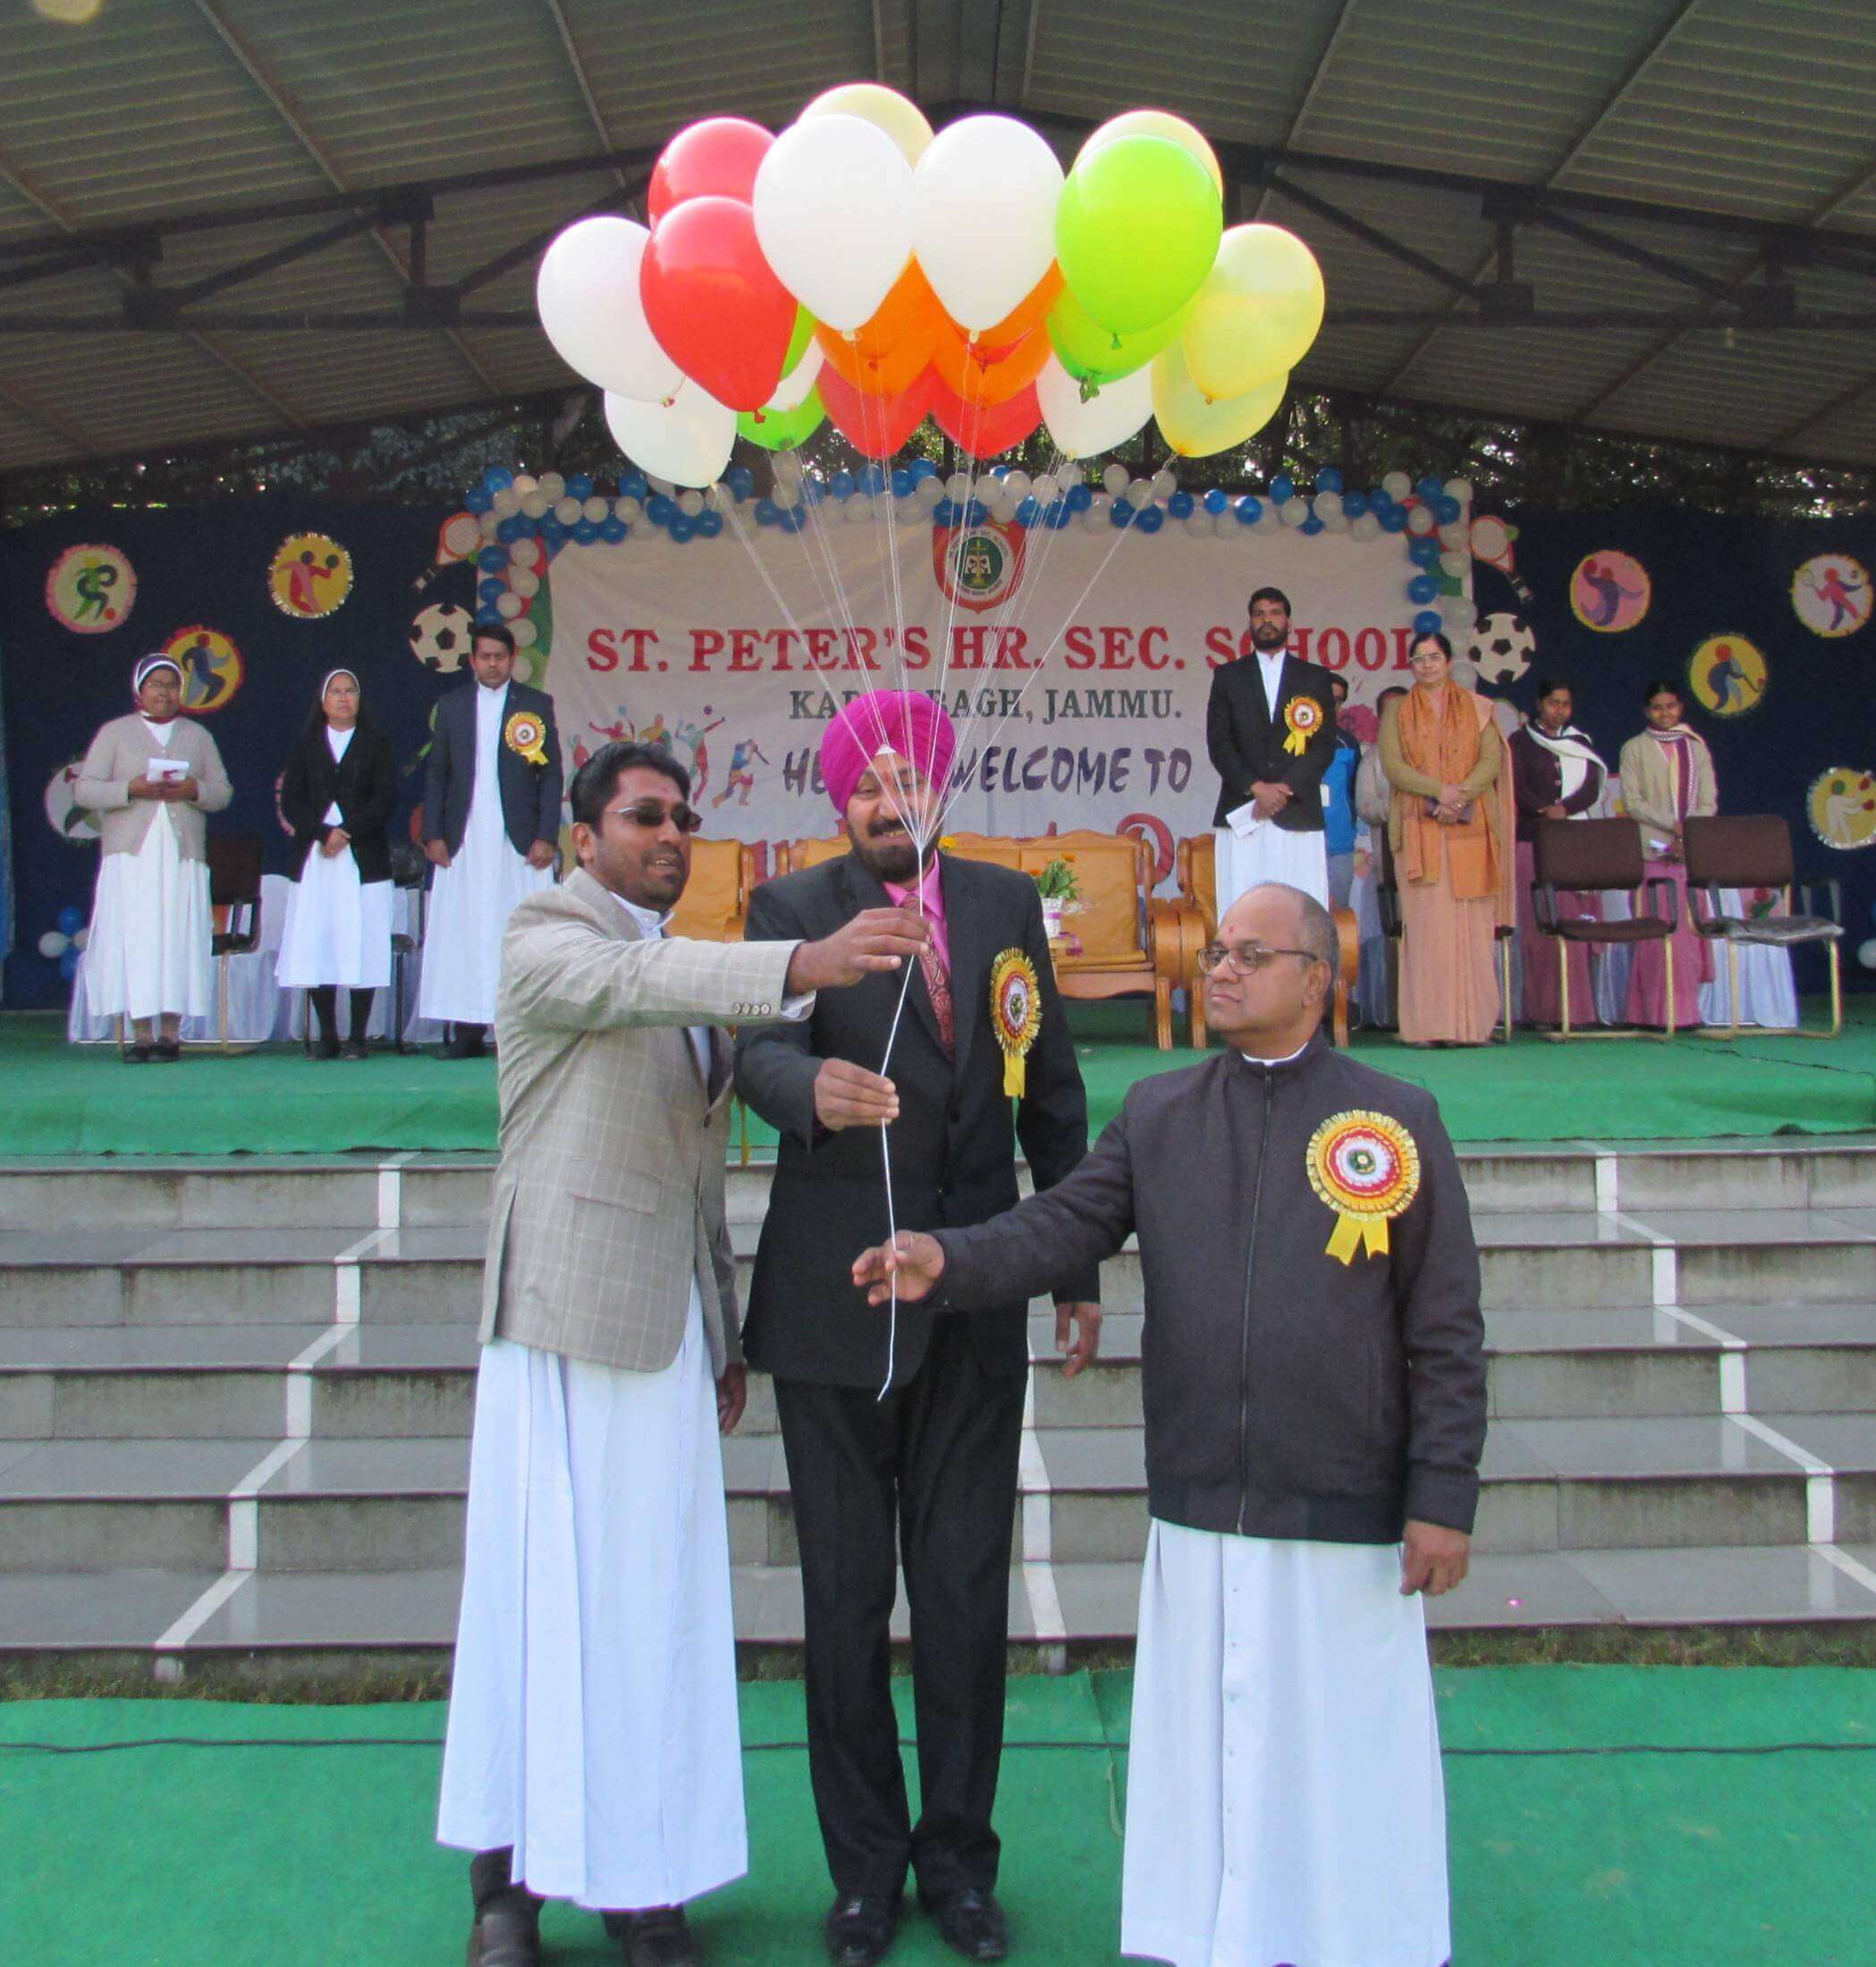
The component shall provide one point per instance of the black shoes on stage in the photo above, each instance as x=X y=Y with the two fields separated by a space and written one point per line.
x=465 y=1042
x=861 y=1927
x=661 y=1937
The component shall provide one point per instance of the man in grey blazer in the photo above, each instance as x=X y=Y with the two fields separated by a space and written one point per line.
x=593 y=1751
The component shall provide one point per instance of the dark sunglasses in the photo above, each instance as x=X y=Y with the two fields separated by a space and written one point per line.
x=649 y=815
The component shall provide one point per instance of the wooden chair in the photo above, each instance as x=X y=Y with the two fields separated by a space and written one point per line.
x=1386 y=898
x=234 y=871
x=1754 y=850
x=1196 y=865
x=1589 y=856
x=715 y=907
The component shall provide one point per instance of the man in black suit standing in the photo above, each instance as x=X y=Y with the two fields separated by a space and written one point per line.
x=1270 y=728
x=491 y=817
x=911 y=1423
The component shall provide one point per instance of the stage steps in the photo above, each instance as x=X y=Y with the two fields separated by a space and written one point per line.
x=234 y=1404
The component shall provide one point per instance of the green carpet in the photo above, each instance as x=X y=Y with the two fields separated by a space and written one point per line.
x=277 y=1856
x=62 y=1098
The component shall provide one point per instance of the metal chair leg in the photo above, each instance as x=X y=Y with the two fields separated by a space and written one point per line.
x=1667 y=958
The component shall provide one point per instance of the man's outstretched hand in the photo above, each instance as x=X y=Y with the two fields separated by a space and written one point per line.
x=876 y=939
x=915 y=1258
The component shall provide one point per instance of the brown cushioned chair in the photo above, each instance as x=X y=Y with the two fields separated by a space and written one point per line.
x=715 y=907
x=1754 y=850
x=234 y=870
x=1196 y=864
x=1598 y=857
x=1387 y=904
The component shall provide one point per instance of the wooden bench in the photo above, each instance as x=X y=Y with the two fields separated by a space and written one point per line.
x=1131 y=943
x=715 y=907
x=1198 y=885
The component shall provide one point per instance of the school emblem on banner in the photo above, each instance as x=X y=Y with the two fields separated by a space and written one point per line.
x=979 y=566
x=1366 y=1168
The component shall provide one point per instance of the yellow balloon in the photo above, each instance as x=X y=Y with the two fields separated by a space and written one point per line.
x=1194 y=425
x=1259 y=312
x=1158 y=122
x=885 y=108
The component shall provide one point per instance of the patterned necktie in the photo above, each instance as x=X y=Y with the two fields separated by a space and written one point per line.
x=938 y=987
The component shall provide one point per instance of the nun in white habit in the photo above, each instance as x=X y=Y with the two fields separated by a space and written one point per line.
x=152 y=777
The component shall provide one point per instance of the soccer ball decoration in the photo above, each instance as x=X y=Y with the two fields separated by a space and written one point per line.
x=440 y=635
x=1502 y=646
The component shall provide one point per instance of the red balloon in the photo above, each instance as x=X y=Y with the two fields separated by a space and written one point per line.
x=874 y=425
x=715 y=159
x=715 y=307
x=983 y=430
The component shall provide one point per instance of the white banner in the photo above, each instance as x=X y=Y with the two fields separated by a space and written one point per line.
x=1075 y=665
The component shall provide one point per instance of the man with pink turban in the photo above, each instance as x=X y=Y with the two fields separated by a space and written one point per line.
x=902 y=1428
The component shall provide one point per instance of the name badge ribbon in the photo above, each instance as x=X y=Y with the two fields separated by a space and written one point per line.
x=1302 y=718
x=1365 y=1166
x=1016 y=1015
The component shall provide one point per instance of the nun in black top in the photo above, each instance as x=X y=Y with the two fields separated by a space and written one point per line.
x=337 y=795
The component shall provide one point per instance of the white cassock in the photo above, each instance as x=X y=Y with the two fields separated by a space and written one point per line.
x=147 y=954
x=338 y=927
x=1267 y=852
x=593 y=1719
x=1284 y=1800
x=472 y=899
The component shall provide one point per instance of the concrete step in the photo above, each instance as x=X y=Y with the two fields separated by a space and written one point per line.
x=364 y=1504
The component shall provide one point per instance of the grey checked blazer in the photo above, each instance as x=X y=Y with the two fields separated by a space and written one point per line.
x=609 y=1198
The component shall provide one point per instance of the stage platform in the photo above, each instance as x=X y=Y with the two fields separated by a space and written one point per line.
x=62 y=1098
x=1679 y=1817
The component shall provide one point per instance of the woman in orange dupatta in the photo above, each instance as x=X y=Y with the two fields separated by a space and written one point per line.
x=1451 y=831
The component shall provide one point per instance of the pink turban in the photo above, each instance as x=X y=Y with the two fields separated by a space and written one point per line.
x=901 y=720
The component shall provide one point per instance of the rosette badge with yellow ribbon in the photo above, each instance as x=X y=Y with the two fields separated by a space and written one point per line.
x=1302 y=719
x=1015 y=1015
x=1366 y=1168
x=528 y=735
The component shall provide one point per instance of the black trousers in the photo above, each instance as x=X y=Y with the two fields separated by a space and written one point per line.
x=936 y=1461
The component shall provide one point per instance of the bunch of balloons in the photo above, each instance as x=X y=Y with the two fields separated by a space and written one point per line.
x=861 y=269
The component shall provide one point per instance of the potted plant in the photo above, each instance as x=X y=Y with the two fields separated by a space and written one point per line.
x=1058 y=887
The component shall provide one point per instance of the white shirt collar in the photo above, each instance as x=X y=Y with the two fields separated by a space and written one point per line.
x=651 y=924
x=1286 y=1058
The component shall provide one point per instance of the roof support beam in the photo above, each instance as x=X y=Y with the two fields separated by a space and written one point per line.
x=1369 y=235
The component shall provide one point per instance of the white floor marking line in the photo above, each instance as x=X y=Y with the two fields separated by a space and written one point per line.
x=1665 y=1275
x=296 y=1428
x=1038 y=1535
x=1849 y=1566
x=391 y=1190
x=1609 y=1184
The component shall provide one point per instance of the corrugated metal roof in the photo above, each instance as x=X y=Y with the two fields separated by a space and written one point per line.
x=1762 y=110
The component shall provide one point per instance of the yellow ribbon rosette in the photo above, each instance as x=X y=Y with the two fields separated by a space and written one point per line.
x=1302 y=719
x=528 y=735
x=1015 y=1015
x=1366 y=1168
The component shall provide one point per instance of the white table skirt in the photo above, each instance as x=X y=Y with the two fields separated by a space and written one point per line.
x=1768 y=995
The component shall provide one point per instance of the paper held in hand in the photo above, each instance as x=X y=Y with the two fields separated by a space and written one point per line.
x=1243 y=819
x=165 y=770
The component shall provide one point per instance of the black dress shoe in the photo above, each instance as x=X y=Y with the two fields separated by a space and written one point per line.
x=507 y=1932
x=356 y=1048
x=860 y=1928
x=136 y=1055
x=660 y=1937
x=166 y=1051
x=969 y=1922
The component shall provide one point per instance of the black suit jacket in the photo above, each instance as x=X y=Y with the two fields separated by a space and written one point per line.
x=530 y=794
x=953 y=1154
x=1246 y=743
x=364 y=783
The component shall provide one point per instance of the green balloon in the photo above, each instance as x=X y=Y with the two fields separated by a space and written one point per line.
x=782 y=429
x=798 y=341
x=1136 y=231
x=1094 y=355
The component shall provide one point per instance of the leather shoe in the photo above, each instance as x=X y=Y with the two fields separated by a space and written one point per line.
x=660 y=1937
x=860 y=1928
x=507 y=1932
x=969 y=1922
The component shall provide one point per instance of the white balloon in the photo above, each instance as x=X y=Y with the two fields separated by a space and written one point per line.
x=1458 y=612
x=1866 y=954
x=929 y=492
x=1114 y=480
x=834 y=216
x=1327 y=505
x=1454 y=564
x=508 y=606
x=535 y=506
x=526 y=633
x=521 y=553
x=566 y=510
x=82 y=939
x=1396 y=484
x=1419 y=520
x=859 y=510
x=1367 y=526
x=1456 y=537
x=53 y=943
x=553 y=484
x=1459 y=489
x=524 y=485
x=587 y=294
x=687 y=440
x=1165 y=483
x=1197 y=523
x=719 y=496
x=505 y=504
x=792 y=391
x=665 y=485
x=630 y=509
x=488 y=521
x=984 y=200
x=1101 y=503
x=594 y=509
x=785 y=497
x=957 y=487
x=524 y=581
x=1109 y=418
x=690 y=504
x=1017 y=486
x=1044 y=488
x=1295 y=511
x=1336 y=521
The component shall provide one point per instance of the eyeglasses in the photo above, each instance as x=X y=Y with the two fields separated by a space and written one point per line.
x=649 y=815
x=1248 y=956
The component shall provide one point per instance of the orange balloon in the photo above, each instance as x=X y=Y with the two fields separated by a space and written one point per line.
x=1032 y=309
x=887 y=353
x=982 y=372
